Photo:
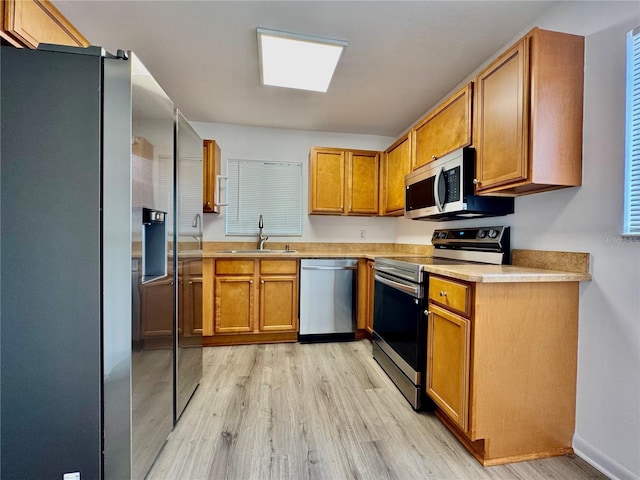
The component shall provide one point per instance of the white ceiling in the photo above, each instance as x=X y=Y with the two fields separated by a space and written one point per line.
x=403 y=56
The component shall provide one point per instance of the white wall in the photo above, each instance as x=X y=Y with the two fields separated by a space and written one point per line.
x=584 y=219
x=258 y=143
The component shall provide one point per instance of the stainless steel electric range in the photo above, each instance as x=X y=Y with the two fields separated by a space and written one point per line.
x=400 y=301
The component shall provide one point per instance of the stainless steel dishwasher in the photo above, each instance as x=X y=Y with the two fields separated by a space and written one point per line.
x=327 y=294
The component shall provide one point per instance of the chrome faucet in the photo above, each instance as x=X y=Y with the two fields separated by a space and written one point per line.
x=197 y=223
x=261 y=237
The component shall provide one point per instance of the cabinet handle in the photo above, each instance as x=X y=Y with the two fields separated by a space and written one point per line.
x=426 y=313
x=250 y=282
x=443 y=294
x=433 y=157
x=476 y=181
x=261 y=281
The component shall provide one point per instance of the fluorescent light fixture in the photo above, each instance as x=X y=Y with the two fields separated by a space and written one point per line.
x=297 y=61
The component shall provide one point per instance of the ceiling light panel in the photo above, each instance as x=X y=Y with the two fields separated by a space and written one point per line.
x=297 y=61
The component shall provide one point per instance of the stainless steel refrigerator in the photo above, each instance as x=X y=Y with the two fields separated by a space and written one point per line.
x=89 y=281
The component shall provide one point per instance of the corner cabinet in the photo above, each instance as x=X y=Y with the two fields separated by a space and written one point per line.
x=343 y=182
x=211 y=177
x=395 y=163
x=27 y=23
x=528 y=116
x=501 y=366
x=250 y=300
x=445 y=129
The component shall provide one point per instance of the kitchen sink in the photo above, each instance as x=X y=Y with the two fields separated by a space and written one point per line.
x=257 y=251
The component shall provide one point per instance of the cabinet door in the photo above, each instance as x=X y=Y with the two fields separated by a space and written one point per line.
x=326 y=181
x=364 y=168
x=396 y=163
x=502 y=119
x=278 y=303
x=30 y=22
x=444 y=130
x=210 y=168
x=370 y=290
x=448 y=357
x=233 y=301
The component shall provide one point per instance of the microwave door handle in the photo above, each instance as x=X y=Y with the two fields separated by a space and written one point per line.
x=436 y=190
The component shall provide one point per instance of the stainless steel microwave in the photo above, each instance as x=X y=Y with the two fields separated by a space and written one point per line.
x=444 y=190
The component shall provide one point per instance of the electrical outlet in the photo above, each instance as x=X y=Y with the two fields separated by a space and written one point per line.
x=71 y=476
x=363 y=234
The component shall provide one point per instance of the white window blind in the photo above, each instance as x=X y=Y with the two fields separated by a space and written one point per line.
x=632 y=155
x=270 y=189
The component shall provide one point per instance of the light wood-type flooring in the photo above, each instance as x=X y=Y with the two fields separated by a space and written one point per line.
x=320 y=411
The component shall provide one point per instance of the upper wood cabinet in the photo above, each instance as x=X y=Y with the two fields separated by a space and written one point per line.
x=343 y=182
x=528 y=116
x=210 y=174
x=27 y=23
x=444 y=130
x=395 y=163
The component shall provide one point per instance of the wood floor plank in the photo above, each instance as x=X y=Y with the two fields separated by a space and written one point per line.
x=320 y=412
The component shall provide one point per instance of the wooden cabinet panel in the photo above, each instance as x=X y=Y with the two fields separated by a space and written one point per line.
x=448 y=357
x=278 y=303
x=528 y=116
x=343 y=182
x=395 y=164
x=453 y=295
x=233 y=297
x=363 y=182
x=31 y=22
x=495 y=376
x=278 y=266
x=370 y=291
x=502 y=114
x=327 y=179
x=156 y=308
x=211 y=156
x=250 y=300
x=444 y=130
x=234 y=267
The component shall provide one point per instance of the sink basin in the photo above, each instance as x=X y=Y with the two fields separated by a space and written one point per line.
x=256 y=251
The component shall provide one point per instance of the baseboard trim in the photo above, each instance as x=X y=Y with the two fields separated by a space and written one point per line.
x=601 y=460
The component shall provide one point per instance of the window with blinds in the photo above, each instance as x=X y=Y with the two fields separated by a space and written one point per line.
x=270 y=189
x=632 y=150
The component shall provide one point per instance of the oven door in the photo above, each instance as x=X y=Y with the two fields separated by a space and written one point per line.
x=399 y=324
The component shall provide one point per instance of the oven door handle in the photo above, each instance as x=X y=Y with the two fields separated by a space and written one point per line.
x=414 y=291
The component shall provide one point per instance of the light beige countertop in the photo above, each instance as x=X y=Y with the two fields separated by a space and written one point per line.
x=505 y=274
x=528 y=265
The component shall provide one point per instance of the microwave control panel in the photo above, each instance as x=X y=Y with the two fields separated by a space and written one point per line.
x=452 y=179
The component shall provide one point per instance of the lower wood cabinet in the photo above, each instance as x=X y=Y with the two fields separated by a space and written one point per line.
x=501 y=366
x=250 y=300
x=448 y=337
x=364 y=306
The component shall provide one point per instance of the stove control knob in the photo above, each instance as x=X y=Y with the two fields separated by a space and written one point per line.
x=493 y=233
x=482 y=233
x=442 y=234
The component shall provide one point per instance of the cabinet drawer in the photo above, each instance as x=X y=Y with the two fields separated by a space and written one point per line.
x=452 y=295
x=278 y=266
x=233 y=267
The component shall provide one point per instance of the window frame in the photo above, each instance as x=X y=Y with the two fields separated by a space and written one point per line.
x=631 y=220
x=251 y=226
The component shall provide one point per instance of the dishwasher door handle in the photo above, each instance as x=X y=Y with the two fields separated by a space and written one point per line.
x=312 y=267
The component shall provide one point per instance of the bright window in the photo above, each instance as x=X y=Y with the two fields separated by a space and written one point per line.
x=632 y=150
x=270 y=189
